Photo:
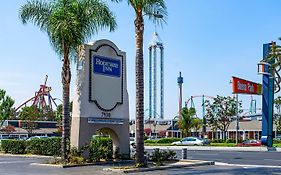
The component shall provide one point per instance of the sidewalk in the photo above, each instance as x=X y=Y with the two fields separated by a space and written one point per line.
x=214 y=148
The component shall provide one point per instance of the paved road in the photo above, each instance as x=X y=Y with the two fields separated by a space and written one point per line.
x=11 y=165
x=235 y=157
x=21 y=166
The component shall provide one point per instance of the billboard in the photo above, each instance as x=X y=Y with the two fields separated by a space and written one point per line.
x=241 y=86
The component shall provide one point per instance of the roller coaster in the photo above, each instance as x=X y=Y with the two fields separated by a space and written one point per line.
x=42 y=98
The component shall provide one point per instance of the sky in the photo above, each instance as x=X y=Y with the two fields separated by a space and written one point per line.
x=209 y=41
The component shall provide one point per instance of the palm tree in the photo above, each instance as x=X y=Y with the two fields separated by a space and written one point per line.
x=157 y=12
x=197 y=123
x=68 y=23
x=185 y=120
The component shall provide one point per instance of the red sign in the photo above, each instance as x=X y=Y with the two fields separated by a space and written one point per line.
x=241 y=86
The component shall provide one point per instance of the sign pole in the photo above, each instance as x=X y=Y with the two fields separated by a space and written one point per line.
x=237 y=119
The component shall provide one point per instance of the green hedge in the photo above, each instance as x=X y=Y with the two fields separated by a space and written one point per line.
x=217 y=141
x=49 y=146
x=101 y=148
x=163 y=140
x=168 y=140
x=44 y=146
x=13 y=146
x=275 y=141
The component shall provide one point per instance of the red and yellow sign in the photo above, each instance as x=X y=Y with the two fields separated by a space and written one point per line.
x=241 y=86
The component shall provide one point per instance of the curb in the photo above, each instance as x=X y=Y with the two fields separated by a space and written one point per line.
x=79 y=165
x=25 y=155
x=202 y=163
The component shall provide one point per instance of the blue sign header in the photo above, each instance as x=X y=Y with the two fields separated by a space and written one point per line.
x=106 y=66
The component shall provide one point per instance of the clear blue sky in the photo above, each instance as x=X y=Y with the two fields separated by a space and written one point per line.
x=208 y=41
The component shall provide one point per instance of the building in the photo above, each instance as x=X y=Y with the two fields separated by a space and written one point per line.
x=43 y=128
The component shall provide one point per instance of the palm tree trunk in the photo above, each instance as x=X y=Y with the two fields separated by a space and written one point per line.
x=66 y=77
x=139 y=28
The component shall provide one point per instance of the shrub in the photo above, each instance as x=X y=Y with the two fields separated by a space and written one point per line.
x=159 y=157
x=230 y=141
x=217 y=141
x=44 y=146
x=13 y=146
x=275 y=141
x=101 y=148
x=150 y=141
x=168 y=140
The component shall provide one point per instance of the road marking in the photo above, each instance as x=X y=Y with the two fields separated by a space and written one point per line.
x=246 y=166
x=272 y=160
x=16 y=162
x=207 y=154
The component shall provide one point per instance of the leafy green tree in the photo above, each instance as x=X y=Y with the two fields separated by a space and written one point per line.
x=197 y=123
x=277 y=114
x=47 y=114
x=6 y=103
x=68 y=23
x=185 y=120
x=29 y=115
x=221 y=112
x=156 y=11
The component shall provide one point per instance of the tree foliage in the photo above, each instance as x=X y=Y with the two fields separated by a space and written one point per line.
x=6 y=103
x=221 y=112
x=29 y=115
x=277 y=114
x=185 y=122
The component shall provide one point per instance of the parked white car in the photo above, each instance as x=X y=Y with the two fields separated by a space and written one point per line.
x=190 y=141
x=37 y=137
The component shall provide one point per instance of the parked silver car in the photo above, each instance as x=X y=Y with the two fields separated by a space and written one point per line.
x=191 y=141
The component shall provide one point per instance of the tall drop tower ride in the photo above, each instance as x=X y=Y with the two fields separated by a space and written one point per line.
x=156 y=73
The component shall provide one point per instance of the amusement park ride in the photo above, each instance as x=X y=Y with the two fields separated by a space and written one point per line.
x=41 y=99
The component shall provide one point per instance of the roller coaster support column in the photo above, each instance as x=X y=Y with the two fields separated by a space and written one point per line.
x=267 y=100
x=204 y=118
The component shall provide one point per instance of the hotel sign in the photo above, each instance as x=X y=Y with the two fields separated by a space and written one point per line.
x=106 y=66
x=241 y=86
x=106 y=77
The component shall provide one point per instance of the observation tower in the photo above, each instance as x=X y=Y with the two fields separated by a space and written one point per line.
x=156 y=77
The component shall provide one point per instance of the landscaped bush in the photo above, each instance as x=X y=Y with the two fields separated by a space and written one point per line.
x=168 y=140
x=158 y=156
x=217 y=141
x=276 y=141
x=101 y=148
x=230 y=141
x=13 y=146
x=150 y=141
x=44 y=146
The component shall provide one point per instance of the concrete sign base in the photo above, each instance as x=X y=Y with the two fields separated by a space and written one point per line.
x=101 y=98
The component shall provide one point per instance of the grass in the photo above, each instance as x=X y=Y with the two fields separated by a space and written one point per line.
x=277 y=145
x=157 y=144
x=223 y=144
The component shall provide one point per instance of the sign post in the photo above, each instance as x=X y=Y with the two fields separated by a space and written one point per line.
x=267 y=96
x=241 y=86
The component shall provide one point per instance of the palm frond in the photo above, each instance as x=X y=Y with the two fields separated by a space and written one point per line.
x=37 y=12
x=156 y=11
